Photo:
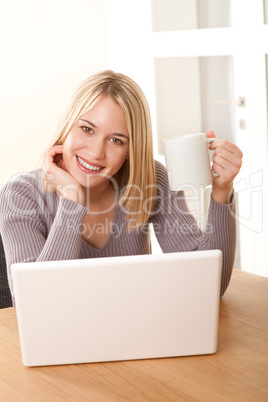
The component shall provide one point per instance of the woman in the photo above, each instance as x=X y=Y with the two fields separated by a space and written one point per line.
x=100 y=188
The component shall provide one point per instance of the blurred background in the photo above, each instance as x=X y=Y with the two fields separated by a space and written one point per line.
x=203 y=64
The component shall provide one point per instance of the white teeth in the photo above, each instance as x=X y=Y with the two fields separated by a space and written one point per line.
x=86 y=165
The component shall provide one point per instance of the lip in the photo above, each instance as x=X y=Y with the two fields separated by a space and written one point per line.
x=90 y=163
x=84 y=169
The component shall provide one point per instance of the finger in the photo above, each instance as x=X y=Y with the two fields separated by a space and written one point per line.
x=210 y=134
x=226 y=145
x=224 y=175
x=57 y=149
x=233 y=158
x=54 y=154
x=225 y=169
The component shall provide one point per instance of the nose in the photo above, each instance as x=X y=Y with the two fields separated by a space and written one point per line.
x=96 y=149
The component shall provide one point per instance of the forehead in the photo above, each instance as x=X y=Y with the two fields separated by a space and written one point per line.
x=104 y=102
x=105 y=110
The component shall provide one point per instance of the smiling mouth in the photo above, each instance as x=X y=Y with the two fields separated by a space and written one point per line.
x=87 y=166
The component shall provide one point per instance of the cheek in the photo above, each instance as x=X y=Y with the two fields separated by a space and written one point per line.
x=118 y=156
x=71 y=144
x=121 y=159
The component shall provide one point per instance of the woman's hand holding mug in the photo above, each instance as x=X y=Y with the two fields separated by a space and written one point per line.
x=227 y=161
x=189 y=167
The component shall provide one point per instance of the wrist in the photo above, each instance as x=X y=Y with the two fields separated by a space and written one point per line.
x=73 y=193
x=222 y=195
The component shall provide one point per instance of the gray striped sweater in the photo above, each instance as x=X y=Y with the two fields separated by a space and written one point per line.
x=37 y=226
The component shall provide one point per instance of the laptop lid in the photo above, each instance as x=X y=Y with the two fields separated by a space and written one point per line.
x=118 y=308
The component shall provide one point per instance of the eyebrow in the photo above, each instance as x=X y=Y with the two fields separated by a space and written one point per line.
x=94 y=126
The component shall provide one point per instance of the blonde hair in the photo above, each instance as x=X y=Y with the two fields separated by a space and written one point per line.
x=136 y=178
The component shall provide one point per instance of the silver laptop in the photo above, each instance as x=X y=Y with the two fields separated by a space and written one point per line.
x=118 y=308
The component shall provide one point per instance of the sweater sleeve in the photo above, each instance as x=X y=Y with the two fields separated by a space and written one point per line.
x=176 y=229
x=24 y=229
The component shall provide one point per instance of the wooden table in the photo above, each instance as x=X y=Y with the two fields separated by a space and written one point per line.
x=237 y=372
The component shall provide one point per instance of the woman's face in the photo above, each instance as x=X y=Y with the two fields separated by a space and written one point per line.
x=98 y=144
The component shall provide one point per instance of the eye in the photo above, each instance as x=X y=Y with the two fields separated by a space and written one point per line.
x=116 y=141
x=87 y=130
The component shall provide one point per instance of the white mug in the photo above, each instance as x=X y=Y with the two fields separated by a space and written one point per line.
x=188 y=162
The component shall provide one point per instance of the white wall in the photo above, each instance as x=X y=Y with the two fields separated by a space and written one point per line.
x=172 y=15
x=217 y=96
x=178 y=97
x=214 y=13
x=265 y=5
x=47 y=48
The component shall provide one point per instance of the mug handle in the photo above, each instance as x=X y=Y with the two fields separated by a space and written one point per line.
x=209 y=140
